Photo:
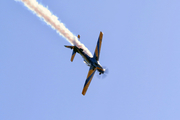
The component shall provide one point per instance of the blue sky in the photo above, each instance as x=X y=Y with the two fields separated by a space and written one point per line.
x=140 y=48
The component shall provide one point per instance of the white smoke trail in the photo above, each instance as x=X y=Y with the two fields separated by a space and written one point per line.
x=53 y=21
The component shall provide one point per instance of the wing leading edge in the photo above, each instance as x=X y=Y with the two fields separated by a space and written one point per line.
x=88 y=79
x=98 y=47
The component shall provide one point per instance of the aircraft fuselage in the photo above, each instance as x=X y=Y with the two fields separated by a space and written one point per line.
x=89 y=60
x=92 y=62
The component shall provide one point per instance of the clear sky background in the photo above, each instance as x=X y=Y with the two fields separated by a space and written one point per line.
x=141 y=48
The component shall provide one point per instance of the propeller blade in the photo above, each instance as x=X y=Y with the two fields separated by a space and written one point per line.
x=103 y=75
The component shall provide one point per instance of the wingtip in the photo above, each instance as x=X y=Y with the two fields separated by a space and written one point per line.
x=101 y=35
x=84 y=90
x=83 y=94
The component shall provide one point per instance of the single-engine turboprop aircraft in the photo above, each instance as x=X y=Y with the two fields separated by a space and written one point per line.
x=93 y=62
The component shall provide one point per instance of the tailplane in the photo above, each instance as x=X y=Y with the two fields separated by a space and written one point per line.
x=73 y=55
x=74 y=51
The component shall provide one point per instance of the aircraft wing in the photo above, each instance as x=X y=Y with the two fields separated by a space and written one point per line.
x=88 y=79
x=98 y=47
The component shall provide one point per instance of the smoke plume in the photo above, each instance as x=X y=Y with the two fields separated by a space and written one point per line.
x=53 y=21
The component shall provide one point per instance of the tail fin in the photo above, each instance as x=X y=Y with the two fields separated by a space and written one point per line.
x=74 y=51
x=71 y=47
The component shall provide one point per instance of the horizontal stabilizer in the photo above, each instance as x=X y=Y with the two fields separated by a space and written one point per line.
x=73 y=55
x=78 y=36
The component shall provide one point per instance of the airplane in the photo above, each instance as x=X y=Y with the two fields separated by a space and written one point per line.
x=93 y=62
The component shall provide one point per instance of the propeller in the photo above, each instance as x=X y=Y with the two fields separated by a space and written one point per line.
x=103 y=75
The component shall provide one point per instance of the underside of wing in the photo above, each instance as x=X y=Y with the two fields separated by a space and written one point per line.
x=98 y=47
x=88 y=80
